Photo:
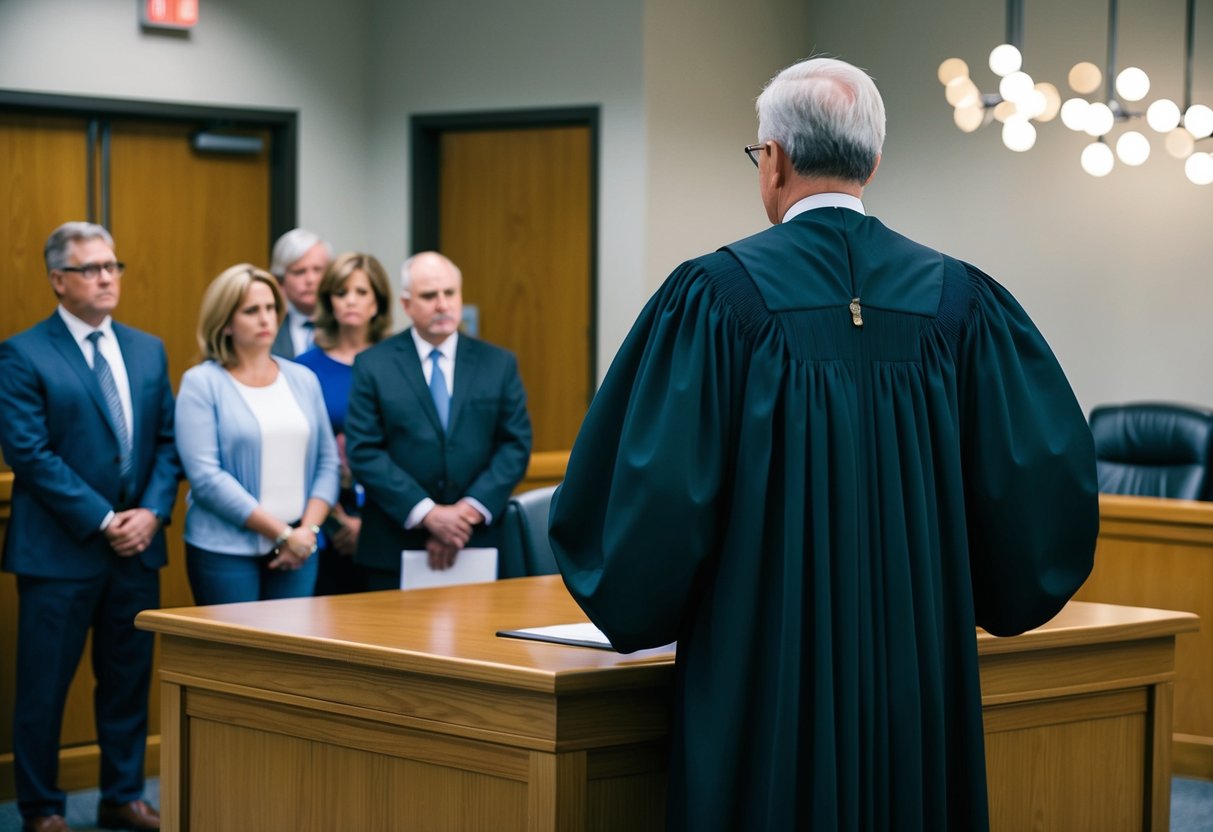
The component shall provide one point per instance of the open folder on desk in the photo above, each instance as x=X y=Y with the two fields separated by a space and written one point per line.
x=578 y=635
x=471 y=566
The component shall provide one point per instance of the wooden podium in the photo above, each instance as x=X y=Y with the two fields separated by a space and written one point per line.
x=404 y=710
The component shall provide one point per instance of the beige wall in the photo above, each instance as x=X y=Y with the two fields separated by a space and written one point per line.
x=300 y=55
x=705 y=63
x=1115 y=271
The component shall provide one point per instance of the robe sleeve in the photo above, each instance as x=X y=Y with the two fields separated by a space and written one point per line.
x=1029 y=467
x=636 y=516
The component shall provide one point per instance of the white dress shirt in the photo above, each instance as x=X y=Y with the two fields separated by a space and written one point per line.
x=828 y=200
x=299 y=325
x=108 y=345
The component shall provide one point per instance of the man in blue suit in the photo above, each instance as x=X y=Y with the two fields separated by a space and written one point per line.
x=86 y=423
x=437 y=430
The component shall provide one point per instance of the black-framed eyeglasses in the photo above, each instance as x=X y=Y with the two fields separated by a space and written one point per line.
x=92 y=271
x=752 y=150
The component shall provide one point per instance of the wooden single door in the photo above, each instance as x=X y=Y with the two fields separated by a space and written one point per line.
x=178 y=218
x=515 y=214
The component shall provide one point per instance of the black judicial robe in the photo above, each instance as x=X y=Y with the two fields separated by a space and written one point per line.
x=819 y=512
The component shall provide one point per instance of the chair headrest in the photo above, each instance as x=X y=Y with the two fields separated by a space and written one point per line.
x=1154 y=449
x=1153 y=433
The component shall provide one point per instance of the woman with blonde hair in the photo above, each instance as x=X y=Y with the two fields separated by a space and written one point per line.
x=255 y=443
x=353 y=312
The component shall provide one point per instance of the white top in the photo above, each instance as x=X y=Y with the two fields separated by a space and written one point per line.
x=284 y=447
x=108 y=345
x=830 y=200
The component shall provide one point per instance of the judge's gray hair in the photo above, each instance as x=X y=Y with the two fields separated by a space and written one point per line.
x=827 y=116
x=291 y=246
x=55 y=252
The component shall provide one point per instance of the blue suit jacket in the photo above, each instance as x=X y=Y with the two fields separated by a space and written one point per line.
x=400 y=454
x=56 y=434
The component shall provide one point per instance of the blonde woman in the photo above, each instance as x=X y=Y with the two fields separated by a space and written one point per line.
x=353 y=312
x=256 y=446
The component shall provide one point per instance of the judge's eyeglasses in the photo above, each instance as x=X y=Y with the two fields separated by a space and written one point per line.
x=752 y=151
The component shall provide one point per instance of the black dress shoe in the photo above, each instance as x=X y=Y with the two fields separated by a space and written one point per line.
x=45 y=823
x=136 y=815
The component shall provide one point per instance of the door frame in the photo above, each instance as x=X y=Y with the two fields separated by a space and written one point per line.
x=283 y=126
x=425 y=134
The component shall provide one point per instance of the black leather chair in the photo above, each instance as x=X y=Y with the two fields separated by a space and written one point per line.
x=1154 y=449
x=522 y=542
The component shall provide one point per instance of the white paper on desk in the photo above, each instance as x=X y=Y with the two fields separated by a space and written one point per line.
x=472 y=566
x=584 y=633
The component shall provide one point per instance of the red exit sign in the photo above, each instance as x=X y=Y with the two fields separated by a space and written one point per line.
x=169 y=14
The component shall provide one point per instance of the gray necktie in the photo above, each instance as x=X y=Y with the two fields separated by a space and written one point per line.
x=105 y=377
x=442 y=398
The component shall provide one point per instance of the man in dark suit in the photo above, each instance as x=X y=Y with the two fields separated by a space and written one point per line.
x=437 y=430
x=299 y=261
x=86 y=423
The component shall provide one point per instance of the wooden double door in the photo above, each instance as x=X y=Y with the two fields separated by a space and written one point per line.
x=178 y=218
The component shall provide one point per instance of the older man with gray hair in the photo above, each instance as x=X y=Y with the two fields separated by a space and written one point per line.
x=437 y=430
x=299 y=261
x=823 y=454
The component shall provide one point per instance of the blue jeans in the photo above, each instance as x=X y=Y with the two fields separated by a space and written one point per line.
x=216 y=578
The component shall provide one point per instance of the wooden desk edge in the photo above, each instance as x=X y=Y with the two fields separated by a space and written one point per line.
x=1143 y=623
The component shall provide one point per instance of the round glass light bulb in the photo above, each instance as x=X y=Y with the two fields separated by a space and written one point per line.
x=1199 y=168
x=1016 y=86
x=1005 y=59
x=1132 y=84
x=969 y=119
x=1052 y=101
x=1074 y=114
x=1133 y=148
x=1199 y=120
x=1004 y=110
x=962 y=92
x=1085 y=77
x=1098 y=119
x=1180 y=143
x=1097 y=159
x=1018 y=134
x=1163 y=115
x=1032 y=104
x=952 y=68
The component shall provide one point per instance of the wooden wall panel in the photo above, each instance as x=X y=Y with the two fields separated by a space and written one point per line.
x=178 y=219
x=515 y=216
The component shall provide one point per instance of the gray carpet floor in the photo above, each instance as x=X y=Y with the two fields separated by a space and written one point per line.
x=1191 y=807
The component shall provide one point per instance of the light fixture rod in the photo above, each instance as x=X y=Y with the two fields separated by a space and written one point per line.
x=1189 y=45
x=1110 y=76
x=1015 y=24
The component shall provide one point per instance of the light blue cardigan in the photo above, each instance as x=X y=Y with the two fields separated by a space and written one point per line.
x=219 y=441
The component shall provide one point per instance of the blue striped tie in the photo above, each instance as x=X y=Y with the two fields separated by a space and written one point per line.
x=442 y=396
x=105 y=377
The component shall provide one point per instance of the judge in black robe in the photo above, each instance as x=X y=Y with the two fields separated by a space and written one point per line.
x=823 y=455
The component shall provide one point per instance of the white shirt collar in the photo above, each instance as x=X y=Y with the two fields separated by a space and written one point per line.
x=424 y=347
x=81 y=330
x=829 y=200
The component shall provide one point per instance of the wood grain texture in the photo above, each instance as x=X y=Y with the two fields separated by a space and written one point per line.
x=1158 y=553
x=515 y=216
x=364 y=688
x=178 y=219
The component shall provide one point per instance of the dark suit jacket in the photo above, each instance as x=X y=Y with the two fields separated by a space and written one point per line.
x=399 y=453
x=283 y=345
x=56 y=434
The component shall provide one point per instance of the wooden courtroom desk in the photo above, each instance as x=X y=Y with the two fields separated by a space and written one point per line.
x=403 y=710
x=1155 y=552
